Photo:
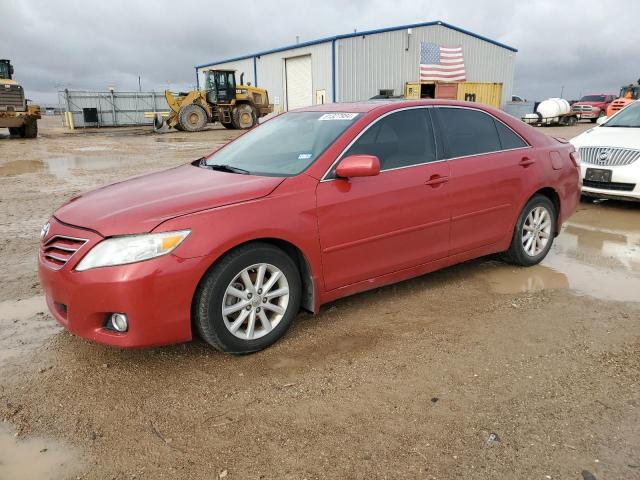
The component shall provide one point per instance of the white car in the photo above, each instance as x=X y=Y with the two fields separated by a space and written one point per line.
x=610 y=156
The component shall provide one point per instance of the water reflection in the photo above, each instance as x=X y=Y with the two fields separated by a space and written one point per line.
x=35 y=458
x=62 y=167
x=597 y=254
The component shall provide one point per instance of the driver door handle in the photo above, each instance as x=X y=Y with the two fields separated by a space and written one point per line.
x=436 y=180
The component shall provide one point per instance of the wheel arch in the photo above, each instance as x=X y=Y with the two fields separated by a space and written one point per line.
x=309 y=292
x=246 y=101
x=553 y=196
x=548 y=192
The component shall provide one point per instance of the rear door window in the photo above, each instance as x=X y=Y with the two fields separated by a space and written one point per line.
x=508 y=138
x=467 y=132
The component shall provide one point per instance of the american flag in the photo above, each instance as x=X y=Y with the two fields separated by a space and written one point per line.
x=438 y=62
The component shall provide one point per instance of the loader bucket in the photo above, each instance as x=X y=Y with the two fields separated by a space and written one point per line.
x=158 y=121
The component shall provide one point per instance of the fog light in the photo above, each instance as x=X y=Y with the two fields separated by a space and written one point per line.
x=119 y=322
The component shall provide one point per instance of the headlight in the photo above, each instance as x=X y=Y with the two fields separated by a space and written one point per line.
x=131 y=249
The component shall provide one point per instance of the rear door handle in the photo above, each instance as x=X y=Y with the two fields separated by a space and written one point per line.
x=526 y=162
x=436 y=180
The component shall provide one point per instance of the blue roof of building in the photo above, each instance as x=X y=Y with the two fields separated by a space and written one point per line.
x=359 y=34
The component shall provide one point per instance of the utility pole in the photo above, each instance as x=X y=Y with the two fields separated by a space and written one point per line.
x=139 y=84
x=562 y=91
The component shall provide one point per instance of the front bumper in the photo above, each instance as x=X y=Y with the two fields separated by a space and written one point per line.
x=588 y=114
x=155 y=294
x=621 y=176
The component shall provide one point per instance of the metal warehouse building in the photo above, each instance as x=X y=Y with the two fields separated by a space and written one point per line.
x=357 y=66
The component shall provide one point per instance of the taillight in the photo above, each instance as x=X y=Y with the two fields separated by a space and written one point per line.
x=575 y=158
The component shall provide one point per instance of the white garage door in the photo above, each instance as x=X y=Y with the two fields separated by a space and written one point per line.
x=299 y=87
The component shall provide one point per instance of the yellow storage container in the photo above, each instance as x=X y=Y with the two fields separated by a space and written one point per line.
x=412 y=91
x=486 y=93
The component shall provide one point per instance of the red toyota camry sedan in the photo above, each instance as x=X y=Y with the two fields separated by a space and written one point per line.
x=310 y=206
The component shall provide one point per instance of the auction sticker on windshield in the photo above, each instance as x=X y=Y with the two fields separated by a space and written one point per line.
x=338 y=116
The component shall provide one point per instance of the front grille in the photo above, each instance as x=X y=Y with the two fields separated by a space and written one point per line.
x=582 y=108
x=59 y=249
x=12 y=98
x=621 y=187
x=618 y=105
x=607 y=156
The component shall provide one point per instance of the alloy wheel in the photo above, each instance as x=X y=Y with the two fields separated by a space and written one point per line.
x=536 y=231
x=255 y=301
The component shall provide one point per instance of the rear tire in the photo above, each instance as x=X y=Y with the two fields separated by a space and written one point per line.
x=600 y=115
x=192 y=118
x=254 y=318
x=244 y=116
x=14 y=131
x=533 y=234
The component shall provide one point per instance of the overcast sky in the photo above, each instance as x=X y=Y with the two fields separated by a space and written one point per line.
x=583 y=45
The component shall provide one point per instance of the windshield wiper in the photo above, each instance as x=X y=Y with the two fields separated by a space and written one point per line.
x=224 y=168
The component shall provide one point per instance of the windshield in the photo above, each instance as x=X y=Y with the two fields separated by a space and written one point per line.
x=284 y=146
x=592 y=98
x=628 y=117
x=633 y=89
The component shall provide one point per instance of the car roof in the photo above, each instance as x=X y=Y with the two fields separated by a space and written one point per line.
x=385 y=104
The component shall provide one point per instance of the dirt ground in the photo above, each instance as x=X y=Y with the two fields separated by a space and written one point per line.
x=478 y=371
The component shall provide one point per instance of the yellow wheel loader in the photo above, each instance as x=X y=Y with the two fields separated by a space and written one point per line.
x=15 y=114
x=235 y=106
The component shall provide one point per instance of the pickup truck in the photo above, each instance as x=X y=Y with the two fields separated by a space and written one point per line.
x=593 y=106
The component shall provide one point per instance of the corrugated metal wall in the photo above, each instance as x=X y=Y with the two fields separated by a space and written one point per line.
x=383 y=60
x=271 y=73
x=114 y=108
x=364 y=65
x=487 y=93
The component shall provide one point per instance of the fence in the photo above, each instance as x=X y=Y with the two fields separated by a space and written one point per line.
x=110 y=108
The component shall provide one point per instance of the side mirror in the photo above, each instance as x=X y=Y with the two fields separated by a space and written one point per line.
x=601 y=120
x=358 y=166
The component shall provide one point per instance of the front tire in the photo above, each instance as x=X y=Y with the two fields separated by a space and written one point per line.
x=600 y=115
x=248 y=300
x=534 y=233
x=29 y=129
x=192 y=118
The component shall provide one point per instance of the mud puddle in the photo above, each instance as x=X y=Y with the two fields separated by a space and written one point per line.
x=597 y=254
x=62 y=167
x=35 y=458
x=24 y=326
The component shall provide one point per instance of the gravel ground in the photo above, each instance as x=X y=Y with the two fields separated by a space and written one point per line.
x=480 y=371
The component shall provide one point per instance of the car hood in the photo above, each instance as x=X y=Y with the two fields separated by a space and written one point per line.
x=140 y=204
x=609 y=137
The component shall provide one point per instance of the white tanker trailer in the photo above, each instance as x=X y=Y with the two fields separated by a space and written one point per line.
x=554 y=111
